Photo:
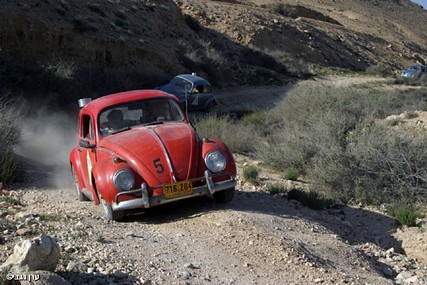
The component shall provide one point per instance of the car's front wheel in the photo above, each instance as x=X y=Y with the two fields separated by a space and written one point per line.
x=224 y=196
x=109 y=213
x=80 y=195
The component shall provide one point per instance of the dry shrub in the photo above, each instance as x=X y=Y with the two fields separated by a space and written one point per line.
x=9 y=137
x=380 y=69
x=329 y=135
x=238 y=137
x=66 y=81
x=386 y=166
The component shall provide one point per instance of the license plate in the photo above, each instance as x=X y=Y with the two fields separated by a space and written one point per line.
x=178 y=189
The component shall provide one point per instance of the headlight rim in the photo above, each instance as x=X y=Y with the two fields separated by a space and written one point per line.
x=208 y=161
x=116 y=182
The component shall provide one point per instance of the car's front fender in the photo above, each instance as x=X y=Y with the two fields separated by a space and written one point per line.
x=214 y=144
x=103 y=173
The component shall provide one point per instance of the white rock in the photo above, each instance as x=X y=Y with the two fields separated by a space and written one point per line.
x=29 y=255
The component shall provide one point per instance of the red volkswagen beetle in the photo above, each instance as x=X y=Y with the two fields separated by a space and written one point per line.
x=137 y=149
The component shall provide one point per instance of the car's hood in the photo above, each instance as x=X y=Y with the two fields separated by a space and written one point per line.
x=158 y=153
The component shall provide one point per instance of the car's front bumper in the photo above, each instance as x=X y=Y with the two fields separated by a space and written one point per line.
x=145 y=201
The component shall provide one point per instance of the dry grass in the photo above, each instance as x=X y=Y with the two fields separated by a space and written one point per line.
x=238 y=137
x=9 y=137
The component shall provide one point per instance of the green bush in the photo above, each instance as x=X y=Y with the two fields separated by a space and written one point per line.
x=291 y=174
x=10 y=200
x=311 y=199
x=276 y=188
x=404 y=214
x=250 y=173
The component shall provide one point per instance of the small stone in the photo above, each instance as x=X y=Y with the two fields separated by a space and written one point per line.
x=129 y=234
x=387 y=271
x=191 y=266
x=185 y=274
x=23 y=232
x=145 y=282
x=412 y=280
x=23 y=215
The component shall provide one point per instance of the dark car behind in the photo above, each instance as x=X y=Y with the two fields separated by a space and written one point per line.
x=415 y=71
x=192 y=91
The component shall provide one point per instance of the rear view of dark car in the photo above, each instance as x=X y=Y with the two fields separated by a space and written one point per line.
x=415 y=71
x=192 y=91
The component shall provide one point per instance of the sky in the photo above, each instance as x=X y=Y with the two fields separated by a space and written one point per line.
x=422 y=2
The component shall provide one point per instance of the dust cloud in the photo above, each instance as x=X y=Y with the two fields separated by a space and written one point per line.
x=47 y=138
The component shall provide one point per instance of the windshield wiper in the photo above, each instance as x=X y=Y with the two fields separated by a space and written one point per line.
x=120 y=130
x=153 y=123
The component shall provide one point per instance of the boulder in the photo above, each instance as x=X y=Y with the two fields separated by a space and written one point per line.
x=30 y=255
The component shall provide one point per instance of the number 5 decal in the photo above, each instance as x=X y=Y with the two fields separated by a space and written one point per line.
x=160 y=168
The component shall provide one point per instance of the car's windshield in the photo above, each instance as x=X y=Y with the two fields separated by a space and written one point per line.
x=142 y=112
x=181 y=83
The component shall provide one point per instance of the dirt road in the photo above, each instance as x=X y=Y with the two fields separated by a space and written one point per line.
x=256 y=239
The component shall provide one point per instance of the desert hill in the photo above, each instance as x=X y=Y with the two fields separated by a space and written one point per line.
x=230 y=41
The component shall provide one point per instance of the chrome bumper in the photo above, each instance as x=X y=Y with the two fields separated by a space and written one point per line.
x=146 y=202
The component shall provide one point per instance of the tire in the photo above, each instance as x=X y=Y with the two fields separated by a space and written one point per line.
x=109 y=213
x=224 y=196
x=80 y=196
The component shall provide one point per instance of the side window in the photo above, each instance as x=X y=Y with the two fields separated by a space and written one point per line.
x=199 y=89
x=87 y=128
x=207 y=88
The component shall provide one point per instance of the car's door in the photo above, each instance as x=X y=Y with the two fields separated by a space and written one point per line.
x=87 y=151
x=195 y=97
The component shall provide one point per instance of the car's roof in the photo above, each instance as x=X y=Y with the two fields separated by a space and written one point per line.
x=193 y=78
x=101 y=103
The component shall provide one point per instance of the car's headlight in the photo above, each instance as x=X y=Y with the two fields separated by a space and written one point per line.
x=123 y=180
x=215 y=161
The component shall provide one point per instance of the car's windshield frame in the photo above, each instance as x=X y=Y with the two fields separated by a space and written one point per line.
x=139 y=113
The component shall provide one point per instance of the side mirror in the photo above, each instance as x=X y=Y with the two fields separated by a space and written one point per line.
x=86 y=144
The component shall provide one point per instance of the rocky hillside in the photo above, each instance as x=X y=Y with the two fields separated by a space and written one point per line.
x=242 y=41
